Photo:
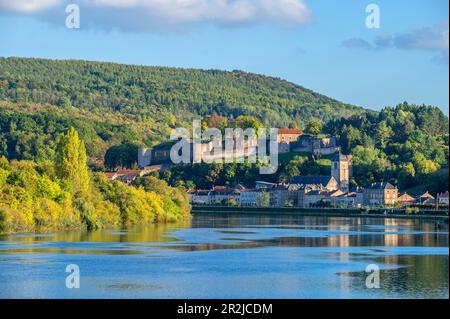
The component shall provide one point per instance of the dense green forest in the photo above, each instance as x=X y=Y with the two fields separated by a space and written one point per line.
x=406 y=145
x=111 y=104
x=64 y=194
x=117 y=108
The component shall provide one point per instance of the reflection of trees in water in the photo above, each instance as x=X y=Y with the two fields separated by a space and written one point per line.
x=377 y=231
x=418 y=273
x=321 y=231
x=146 y=233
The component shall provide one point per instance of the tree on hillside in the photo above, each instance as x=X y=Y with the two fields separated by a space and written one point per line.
x=215 y=121
x=71 y=162
x=244 y=122
x=383 y=134
x=124 y=155
x=314 y=127
x=293 y=125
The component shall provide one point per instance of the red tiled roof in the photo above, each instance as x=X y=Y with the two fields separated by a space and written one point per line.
x=128 y=171
x=292 y=131
x=110 y=174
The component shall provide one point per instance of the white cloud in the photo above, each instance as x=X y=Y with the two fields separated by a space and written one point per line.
x=27 y=6
x=148 y=14
x=221 y=11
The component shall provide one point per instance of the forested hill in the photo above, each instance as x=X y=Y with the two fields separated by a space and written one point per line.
x=159 y=91
x=118 y=108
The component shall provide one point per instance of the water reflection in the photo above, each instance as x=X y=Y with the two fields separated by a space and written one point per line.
x=205 y=232
x=253 y=256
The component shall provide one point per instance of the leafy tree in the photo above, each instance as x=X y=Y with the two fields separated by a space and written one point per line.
x=293 y=125
x=247 y=122
x=264 y=199
x=314 y=127
x=406 y=175
x=71 y=161
x=424 y=166
x=383 y=134
x=124 y=155
x=215 y=121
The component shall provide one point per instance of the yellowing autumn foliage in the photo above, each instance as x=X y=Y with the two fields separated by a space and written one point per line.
x=41 y=197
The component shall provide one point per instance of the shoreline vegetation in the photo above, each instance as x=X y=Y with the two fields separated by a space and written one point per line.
x=63 y=194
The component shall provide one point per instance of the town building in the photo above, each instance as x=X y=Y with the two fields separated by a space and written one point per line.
x=284 y=195
x=125 y=175
x=426 y=199
x=316 y=145
x=199 y=197
x=264 y=185
x=342 y=170
x=350 y=199
x=406 y=200
x=223 y=195
x=380 y=194
x=285 y=137
x=288 y=135
x=442 y=199
x=313 y=197
x=159 y=154
x=359 y=197
x=316 y=182
x=249 y=197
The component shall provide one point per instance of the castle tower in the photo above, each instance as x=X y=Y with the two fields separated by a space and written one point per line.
x=144 y=157
x=342 y=170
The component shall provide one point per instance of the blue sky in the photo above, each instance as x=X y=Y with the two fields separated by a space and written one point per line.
x=323 y=45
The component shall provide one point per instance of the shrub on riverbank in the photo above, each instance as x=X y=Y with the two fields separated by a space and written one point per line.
x=412 y=210
x=65 y=195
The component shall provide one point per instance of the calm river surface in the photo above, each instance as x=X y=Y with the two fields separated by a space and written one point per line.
x=233 y=257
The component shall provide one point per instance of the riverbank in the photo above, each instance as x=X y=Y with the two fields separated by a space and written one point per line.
x=332 y=212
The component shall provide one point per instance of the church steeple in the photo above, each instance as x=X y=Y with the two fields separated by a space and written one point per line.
x=341 y=170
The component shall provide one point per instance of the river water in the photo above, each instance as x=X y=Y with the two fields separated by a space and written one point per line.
x=233 y=257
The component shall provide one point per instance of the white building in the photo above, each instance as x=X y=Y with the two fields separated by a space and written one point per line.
x=348 y=200
x=222 y=194
x=249 y=197
x=315 y=196
x=200 y=197
x=443 y=199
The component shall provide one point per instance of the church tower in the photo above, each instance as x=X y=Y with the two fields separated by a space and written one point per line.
x=342 y=170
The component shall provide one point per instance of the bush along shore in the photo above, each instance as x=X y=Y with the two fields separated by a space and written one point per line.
x=63 y=194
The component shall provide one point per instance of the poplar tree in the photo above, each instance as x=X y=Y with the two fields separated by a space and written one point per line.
x=71 y=162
